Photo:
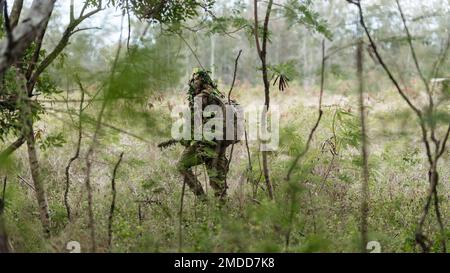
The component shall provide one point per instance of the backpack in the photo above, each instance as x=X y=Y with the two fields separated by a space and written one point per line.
x=235 y=111
x=231 y=109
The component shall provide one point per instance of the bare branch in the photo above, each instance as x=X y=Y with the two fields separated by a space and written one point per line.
x=444 y=143
x=381 y=61
x=234 y=75
x=12 y=148
x=84 y=29
x=63 y=42
x=90 y=151
x=113 y=202
x=77 y=151
x=25 y=33
x=103 y=124
x=413 y=53
x=319 y=118
x=191 y=49
x=441 y=59
x=28 y=184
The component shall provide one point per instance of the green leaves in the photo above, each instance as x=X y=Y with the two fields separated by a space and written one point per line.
x=130 y=78
x=300 y=12
x=234 y=21
x=348 y=129
x=140 y=75
x=143 y=71
x=228 y=24
x=283 y=73
x=46 y=86
x=164 y=12
x=438 y=117
x=54 y=140
x=10 y=121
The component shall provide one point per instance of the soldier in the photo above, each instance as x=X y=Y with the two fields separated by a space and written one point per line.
x=212 y=153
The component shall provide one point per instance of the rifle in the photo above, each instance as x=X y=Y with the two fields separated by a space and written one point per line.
x=168 y=144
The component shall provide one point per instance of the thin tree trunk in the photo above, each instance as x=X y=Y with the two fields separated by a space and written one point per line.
x=180 y=218
x=90 y=151
x=87 y=182
x=440 y=222
x=262 y=52
x=308 y=143
x=77 y=152
x=15 y=13
x=421 y=239
x=213 y=56
x=28 y=133
x=304 y=49
x=41 y=193
x=3 y=236
x=319 y=118
x=365 y=182
x=113 y=201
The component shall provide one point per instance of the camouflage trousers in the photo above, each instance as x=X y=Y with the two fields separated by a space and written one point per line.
x=214 y=158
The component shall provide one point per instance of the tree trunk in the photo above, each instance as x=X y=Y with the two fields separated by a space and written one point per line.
x=41 y=194
x=305 y=64
x=262 y=53
x=25 y=33
x=433 y=178
x=28 y=133
x=3 y=236
x=213 y=56
x=364 y=152
x=15 y=13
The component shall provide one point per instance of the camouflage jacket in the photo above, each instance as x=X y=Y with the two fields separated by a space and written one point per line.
x=208 y=96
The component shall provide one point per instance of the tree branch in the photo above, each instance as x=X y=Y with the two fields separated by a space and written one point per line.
x=381 y=61
x=12 y=148
x=113 y=202
x=77 y=151
x=319 y=118
x=63 y=42
x=236 y=63
x=413 y=53
x=25 y=33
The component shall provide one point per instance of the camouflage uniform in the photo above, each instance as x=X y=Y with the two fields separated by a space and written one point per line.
x=211 y=153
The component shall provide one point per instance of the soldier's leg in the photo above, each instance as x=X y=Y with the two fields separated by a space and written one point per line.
x=217 y=172
x=189 y=159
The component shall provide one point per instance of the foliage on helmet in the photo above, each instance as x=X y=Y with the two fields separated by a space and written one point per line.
x=205 y=78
